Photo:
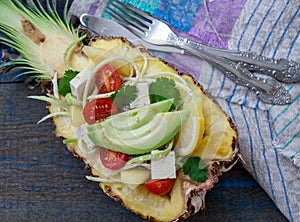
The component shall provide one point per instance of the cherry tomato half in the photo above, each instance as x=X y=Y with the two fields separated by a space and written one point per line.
x=113 y=160
x=107 y=79
x=160 y=187
x=98 y=109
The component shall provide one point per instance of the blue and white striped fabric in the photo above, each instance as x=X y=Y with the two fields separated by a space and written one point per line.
x=269 y=136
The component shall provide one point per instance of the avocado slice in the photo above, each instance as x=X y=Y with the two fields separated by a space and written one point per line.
x=134 y=133
x=161 y=129
x=134 y=118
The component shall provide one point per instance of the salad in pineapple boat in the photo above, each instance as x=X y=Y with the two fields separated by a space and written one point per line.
x=147 y=133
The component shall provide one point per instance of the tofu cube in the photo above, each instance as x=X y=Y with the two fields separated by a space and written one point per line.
x=163 y=167
x=78 y=83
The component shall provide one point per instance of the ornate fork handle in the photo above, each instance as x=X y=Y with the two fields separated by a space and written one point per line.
x=283 y=70
x=269 y=90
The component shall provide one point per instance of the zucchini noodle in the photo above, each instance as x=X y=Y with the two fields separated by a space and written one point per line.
x=145 y=63
x=184 y=88
x=171 y=74
x=100 y=96
x=128 y=79
x=147 y=80
x=150 y=156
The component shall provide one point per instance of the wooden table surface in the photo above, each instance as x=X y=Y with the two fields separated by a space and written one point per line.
x=40 y=180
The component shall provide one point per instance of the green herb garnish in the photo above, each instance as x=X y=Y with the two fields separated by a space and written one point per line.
x=124 y=96
x=196 y=169
x=162 y=89
x=73 y=140
x=64 y=83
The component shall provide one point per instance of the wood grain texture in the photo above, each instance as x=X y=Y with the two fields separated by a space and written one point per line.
x=40 y=180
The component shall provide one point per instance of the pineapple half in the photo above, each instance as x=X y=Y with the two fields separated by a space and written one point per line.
x=50 y=47
x=217 y=147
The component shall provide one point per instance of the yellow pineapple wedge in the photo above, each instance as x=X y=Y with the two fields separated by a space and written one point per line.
x=56 y=47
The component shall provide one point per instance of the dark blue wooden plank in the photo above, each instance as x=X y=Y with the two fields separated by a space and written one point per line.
x=40 y=180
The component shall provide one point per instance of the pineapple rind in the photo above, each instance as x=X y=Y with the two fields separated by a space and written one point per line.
x=187 y=197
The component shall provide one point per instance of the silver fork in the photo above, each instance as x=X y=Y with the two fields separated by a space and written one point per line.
x=233 y=64
x=281 y=69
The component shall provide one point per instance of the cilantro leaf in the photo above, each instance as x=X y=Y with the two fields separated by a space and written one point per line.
x=64 y=82
x=196 y=169
x=162 y=89
x=124 y=96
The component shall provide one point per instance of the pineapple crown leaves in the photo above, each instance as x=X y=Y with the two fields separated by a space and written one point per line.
x=44 y=19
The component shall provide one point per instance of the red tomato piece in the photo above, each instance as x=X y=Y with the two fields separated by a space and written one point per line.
x=160 y=187
x=113 y=160
x=98 y=109
x=107 y=79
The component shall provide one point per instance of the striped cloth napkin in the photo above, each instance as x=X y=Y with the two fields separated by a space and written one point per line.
x=269 y=135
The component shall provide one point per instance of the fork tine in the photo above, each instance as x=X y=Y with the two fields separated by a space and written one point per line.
x=145 y=15
x=120 y=19
x=129 y=17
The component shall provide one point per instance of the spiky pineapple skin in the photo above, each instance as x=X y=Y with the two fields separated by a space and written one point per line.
x=190 y=195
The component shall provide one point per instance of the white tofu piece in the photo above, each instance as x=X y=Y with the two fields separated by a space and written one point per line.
x=78 y=83
x=163 y=167
x=82 y=133
x=142 y=96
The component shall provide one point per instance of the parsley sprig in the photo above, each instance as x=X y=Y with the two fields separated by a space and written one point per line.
x=196 y=169
x=162 y=89
x=124 y=96
x=64 y=83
